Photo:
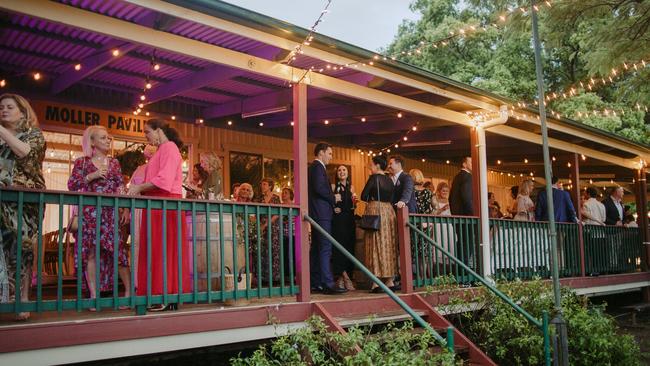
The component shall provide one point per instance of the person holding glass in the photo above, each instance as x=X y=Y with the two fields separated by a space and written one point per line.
x=22 y=150
x=96 y=172
x=344 y=228
x=163 y=179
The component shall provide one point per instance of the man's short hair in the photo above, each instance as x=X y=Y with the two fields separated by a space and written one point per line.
x=321 y=146
x=380 y=160
x=464 y=159
x=398 y=159
x=592 y=192
x=614 y=189
x=554 y=179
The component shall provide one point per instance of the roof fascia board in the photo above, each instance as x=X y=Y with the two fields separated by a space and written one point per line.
x=185 y=11
x=128 y=31
x=562 y=145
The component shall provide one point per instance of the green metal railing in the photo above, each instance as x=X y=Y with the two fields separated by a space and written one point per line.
x=542 y=325
x=457 y=235
x=520 y=249
x=219 y=230
x=612 y=249
x=449 y=342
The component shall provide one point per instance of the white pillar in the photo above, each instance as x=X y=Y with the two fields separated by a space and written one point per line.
x=483 y=194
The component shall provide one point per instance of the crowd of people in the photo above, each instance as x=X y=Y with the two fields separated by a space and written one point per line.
x=332 y=205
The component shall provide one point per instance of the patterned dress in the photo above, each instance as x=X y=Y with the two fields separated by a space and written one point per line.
x=423 y=199
x=113 y=184
x=264 y=242
x=27 y=172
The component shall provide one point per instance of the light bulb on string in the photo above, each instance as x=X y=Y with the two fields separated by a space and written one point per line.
x=77 y=67
x=37 y=76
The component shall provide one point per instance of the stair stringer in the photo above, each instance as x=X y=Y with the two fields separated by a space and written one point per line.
x=436 y=320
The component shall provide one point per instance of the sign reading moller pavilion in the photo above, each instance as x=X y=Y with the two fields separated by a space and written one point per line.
x=78 y=117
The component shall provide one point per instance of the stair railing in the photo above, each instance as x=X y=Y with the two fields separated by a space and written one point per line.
x=449 y=342
x=542 y=325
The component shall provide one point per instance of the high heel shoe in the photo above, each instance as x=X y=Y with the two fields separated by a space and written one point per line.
x=348 y=284
x=161 y=307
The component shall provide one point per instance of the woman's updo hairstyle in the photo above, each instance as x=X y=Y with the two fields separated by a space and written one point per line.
x=170 y=132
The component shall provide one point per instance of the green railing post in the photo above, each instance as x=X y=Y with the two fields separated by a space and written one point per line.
x=418 y=319
x=450 y=339
x=547 y=343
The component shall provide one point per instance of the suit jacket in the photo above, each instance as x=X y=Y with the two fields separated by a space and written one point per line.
x=612 y=216
x=562 y=204
x=321 y=197
x=460 y=197
x=404 y=191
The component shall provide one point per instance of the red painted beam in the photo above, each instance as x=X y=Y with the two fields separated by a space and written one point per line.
x=300 y=159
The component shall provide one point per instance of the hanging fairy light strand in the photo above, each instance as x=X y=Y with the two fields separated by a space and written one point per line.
x=297 y=50
x=394 y=145
x=153 y=66
x=460 y=33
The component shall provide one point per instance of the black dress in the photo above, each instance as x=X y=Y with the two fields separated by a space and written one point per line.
x=343 y=230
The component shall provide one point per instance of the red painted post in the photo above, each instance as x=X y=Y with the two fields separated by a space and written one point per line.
x=575 y=196
x=404 y=243
x=300 y=185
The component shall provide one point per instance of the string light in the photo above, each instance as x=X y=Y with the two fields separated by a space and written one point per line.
x=173 y=118
x=77 y=67
x=462 y=33
x=229 y=123
x=156 y=67
x=261 y=124
x=37 y=76
x=327 y=122
x=116 y=52
x=363 y=119
x=3 y=83
x=307 y=41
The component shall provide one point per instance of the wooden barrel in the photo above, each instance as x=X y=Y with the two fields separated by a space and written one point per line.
x=215 y=250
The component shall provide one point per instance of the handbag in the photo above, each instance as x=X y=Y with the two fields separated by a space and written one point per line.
x=371 y=222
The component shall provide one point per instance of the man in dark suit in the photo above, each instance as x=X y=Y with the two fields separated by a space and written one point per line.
x=562 y=204
x=460 y=198
x=404 y=192
x=613 y=207
x=321 y=209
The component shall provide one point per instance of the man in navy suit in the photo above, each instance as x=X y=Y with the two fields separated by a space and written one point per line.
x=321 y=209
x=404 y=192
x=564 y=210
x=613 y=207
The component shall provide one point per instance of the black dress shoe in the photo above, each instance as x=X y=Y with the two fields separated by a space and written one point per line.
x=376 y=290
x=316 y=289
x=395 y=288
x=334 y=290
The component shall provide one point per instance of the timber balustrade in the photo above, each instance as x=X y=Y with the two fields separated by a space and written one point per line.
x=518 y=249
x=229 y=246
x=242 y=234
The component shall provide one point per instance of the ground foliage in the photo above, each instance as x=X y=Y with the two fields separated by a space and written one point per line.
x=580 y=39
x=316 y=345
x=509 y=339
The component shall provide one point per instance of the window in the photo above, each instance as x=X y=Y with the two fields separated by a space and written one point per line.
x=278 y=171
x=246 y=168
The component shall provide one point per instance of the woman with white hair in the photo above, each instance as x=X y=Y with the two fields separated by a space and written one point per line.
x=96 y=172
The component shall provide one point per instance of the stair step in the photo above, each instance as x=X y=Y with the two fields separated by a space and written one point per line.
x=382 y=318
x=458 y=349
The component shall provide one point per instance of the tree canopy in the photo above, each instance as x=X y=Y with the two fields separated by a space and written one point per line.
x=581 y=40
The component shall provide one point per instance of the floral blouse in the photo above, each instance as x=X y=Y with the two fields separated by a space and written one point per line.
x=28 y=170
x=423 y=200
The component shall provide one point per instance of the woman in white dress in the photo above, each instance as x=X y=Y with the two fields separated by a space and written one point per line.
x=523 y=206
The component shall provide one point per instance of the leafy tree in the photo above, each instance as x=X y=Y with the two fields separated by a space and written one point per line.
x=580 y=39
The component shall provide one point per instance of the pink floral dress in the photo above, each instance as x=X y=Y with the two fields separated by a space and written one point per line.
x=113 y=184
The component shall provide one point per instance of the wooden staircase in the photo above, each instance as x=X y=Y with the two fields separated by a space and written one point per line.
x=340 y=315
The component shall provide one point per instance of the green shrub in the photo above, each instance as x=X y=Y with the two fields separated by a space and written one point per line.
x=509 y=339
x=315 y=345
